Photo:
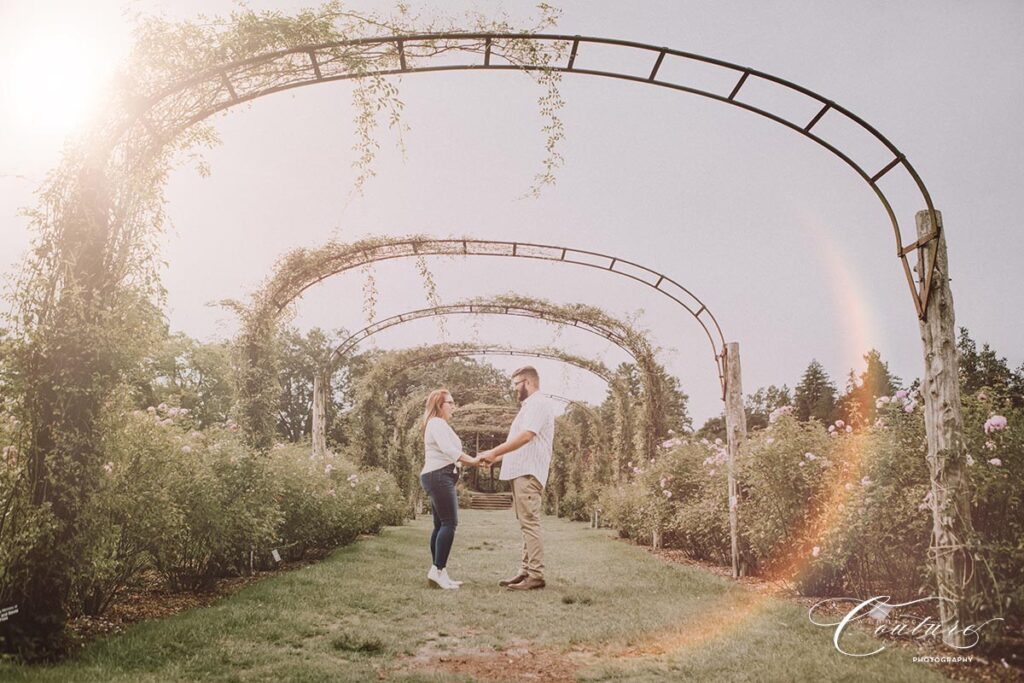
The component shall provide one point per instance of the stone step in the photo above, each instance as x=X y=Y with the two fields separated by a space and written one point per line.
x=490 y=501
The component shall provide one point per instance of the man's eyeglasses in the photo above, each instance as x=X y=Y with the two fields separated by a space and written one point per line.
x=516 y=384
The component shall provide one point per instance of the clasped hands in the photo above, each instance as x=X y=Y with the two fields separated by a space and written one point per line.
x=486 y=458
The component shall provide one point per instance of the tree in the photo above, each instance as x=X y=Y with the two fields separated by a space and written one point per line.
x=857 y=406
x=390 y=382
x=189 y=374
x=985 y=369
x=713 y=428
x=762 y=402
x=815 y=395
x=301 y=357
x=619 y=409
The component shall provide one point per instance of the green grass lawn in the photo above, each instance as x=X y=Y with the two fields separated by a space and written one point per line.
x=619 y=612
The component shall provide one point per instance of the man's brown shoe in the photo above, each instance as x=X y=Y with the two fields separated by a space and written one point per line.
x=513 y=581
x=527 y=584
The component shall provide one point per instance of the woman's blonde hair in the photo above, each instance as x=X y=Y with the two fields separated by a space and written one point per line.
x=434 y=404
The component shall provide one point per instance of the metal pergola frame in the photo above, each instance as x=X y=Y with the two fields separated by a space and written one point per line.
x=194 y=99
x=431 y=356
x=348 y=344
x=418 y=247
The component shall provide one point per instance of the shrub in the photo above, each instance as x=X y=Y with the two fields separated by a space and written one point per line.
x=329 y=502
x=464 y=494
x=874 y=525
x=132 y=506
x=219 y=507
x=783 y=472
x=996 y=471
x=24 y=528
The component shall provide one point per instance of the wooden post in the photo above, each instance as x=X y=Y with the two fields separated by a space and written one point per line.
x=736 y=433
x=944 y=426
x=320 y=384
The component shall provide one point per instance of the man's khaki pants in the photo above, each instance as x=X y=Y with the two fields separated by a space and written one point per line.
x=526 y=501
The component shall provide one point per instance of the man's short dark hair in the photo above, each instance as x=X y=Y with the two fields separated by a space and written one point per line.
x=527 y=371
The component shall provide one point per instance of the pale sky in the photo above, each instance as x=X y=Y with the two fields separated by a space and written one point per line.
x=784 y=243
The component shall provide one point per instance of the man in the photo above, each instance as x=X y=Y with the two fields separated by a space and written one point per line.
x=525 y=458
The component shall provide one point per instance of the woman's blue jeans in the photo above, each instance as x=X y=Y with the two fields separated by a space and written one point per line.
x=440 y=486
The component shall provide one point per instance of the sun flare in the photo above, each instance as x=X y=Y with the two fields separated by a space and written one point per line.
x=56 y=64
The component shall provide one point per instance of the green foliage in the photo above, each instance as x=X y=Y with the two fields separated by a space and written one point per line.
x=195 y=504
x=876 y=519
x=839 y=512
x=189 y=374
x=996 y=469
x=984 y=369
x=760 y=405
x=301 y=358
x=780 y=487
x=327 y=503
x=681 y=495
x=465 y=496
x=857 y=405
x=219 y=507
x=132 y=506
x=84 y=315
x=815 y=395
x=581 y=465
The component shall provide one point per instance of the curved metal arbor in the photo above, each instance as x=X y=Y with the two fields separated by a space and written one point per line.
x=287 y=291
x=477 y=309
x=158 y=117
x=429 y=356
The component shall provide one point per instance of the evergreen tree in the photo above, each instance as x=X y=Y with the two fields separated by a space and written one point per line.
x=985 y=369
x=815 y=395
x=857 y=406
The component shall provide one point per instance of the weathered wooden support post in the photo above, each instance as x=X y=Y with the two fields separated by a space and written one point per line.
x=944 y=425
x=320 y=384
x=736 y=433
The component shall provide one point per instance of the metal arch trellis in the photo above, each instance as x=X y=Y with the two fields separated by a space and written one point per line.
x=416 y=247
x=431 y=356
x=158 y=117
x=353 y=340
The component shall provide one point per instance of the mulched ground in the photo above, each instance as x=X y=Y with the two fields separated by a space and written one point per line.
x=150 y=598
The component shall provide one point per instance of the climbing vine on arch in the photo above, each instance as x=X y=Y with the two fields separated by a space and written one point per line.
x=87 y=299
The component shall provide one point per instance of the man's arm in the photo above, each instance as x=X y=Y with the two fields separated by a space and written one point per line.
x=498 y=452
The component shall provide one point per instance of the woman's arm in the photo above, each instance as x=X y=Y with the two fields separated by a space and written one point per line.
x=495 y=455
x=448 y=442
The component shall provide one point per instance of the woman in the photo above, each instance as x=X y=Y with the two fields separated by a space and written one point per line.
x=443 y=449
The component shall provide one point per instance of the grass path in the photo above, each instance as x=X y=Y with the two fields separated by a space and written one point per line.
x=611 y=612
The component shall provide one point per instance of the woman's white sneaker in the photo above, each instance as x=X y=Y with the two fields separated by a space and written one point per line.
x=440 y=579
x=453 y=582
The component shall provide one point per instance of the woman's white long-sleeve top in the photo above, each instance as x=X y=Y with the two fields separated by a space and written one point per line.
x=443 y=445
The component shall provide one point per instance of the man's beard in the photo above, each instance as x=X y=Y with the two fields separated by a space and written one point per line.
x=522 y=394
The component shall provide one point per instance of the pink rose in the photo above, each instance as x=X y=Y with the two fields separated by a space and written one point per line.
x=996 y=423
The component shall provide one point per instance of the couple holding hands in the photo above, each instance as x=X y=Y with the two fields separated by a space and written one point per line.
x=525 y=457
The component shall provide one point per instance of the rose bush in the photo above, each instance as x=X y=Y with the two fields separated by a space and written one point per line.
x=838 y=511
